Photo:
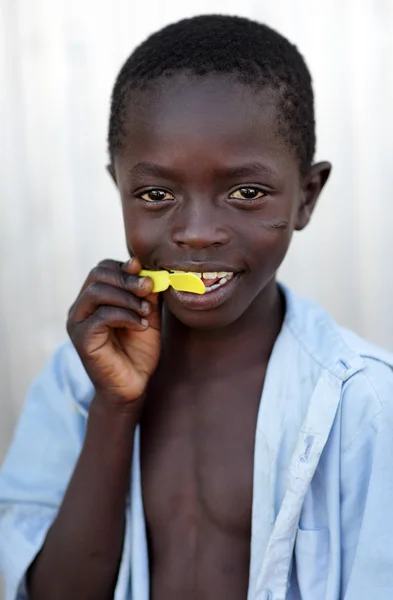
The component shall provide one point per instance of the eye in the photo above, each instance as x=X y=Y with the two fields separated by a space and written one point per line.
x=247 y=193
x=156 y=196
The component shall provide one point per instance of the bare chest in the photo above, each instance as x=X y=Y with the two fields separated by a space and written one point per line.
x=197 y=458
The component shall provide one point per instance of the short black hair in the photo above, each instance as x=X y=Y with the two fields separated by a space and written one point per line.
x=254 y=53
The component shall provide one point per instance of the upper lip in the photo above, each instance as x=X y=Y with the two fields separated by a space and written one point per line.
x=201 y=268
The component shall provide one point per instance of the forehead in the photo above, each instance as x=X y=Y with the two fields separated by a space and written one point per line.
x=214 y=117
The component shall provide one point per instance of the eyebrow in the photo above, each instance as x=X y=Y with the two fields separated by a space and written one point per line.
x=152 y=169
x=246 y=170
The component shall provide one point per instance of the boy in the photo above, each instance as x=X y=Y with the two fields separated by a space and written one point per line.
x=258 y=434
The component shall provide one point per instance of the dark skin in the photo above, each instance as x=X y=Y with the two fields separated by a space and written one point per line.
x=193 y=374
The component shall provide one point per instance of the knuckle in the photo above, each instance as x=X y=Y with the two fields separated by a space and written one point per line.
x=96 y=274
x=70 y=312
x=69 y=327
x=94 y=289
x=71 y=322
x=102 y=313
x=132 y=282
x=122 y=277
x=108 y=263
x=76 y=334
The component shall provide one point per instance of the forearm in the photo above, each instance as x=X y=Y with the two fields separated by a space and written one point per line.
x=81 y=555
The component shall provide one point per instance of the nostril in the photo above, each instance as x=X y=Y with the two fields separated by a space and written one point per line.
x=200 y=244
x=203 y=236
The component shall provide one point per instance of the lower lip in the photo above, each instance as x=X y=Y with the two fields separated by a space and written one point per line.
x=209 y=300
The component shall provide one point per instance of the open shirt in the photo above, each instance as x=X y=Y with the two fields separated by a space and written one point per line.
x=322 y=515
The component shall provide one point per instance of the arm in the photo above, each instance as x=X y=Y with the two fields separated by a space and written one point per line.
x=81 y=555
x=367 y=491
x=76 y=536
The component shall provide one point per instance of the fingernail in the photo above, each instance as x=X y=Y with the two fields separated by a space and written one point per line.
x=145 y=307
x=144 y=322
x=127 y=264
x=141 y=282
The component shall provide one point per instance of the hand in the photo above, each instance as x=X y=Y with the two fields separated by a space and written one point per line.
x=115 y=325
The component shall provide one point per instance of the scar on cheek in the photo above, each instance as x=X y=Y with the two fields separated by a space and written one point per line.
x=275 y=224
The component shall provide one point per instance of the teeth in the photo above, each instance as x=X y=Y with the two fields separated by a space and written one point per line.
x=218 y=275
x=210 y=288
x=193 y=272
x=223 y=276
x=223 y=280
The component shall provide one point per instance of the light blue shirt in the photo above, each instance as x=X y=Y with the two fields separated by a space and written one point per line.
x=322 y=518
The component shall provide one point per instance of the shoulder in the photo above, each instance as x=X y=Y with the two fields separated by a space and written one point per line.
x=50 y=431
x=363 y=370
x=64 y=376
x=367 y=397
x=336 y=349
x=372 y=385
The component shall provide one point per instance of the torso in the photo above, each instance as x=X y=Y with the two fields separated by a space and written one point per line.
x=197 y=457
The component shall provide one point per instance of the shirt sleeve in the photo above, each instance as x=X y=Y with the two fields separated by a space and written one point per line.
x=367 y=492
x=39 y=464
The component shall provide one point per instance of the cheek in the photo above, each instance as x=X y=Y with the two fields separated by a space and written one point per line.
x=274 y=229
x=268 y=240
x=280 y=240
x=272 y=249
x=144 y=233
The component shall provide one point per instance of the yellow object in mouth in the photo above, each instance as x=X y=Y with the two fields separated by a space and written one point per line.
x=183 y=282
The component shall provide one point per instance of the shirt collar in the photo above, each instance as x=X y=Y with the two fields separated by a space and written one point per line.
x=320 y=336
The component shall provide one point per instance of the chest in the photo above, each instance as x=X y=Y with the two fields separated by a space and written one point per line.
x=197 y=452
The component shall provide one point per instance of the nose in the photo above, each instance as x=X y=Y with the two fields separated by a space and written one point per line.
x=199 y=227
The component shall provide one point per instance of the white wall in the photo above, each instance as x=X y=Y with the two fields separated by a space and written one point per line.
x=59 y=213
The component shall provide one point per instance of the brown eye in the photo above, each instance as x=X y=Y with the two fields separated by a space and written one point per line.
x=156 y=196
x=247 y=193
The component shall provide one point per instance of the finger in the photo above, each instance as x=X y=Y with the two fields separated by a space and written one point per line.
x=116 y=276
x=103 y=265
x=109 y=263
x=114 y=318
x=132 y=266
x=155 y=315
x=100 y=294
x=95 y=330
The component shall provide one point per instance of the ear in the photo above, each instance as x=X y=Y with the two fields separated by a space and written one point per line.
x=312 y=186
x=111 y=170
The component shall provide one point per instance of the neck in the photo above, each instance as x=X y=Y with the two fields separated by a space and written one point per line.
x=246 y=343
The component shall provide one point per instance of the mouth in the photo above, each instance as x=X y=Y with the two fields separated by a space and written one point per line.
x=212 y=280
x=220 y=286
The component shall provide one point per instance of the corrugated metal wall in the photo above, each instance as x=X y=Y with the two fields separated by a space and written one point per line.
x=59 y=213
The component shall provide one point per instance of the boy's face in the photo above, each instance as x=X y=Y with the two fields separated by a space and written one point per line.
x=208 y=185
